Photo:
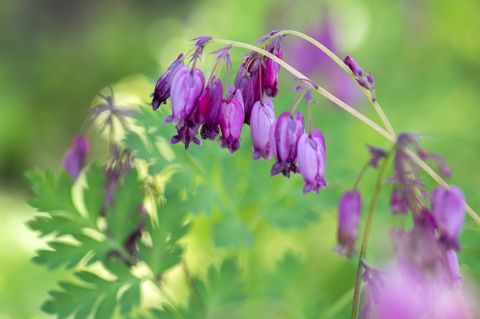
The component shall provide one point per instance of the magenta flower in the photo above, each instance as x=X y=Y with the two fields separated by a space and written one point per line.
x=312 y=160
x=187 y=85
x=75 y=158
x=349 y=210
x=244 y=83
x=284 y=136
x=398 y=201
x=448 y=209
x=272 y=69
x=376 y=154
x=231 y=120
x=209 y=109
x=162 y=88
x=261 y=121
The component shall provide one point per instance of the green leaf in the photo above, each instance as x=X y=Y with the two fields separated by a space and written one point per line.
x=165 y=251
x=231 y=233
x=124 y=215
x=94 y=194
x=91 y=295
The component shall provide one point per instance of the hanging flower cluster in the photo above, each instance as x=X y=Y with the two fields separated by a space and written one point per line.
x=210 y=109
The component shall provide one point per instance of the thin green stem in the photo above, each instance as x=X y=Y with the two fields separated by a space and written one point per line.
x=389 y=136
x=360 y=175
x=366 y=235
x=376 y=106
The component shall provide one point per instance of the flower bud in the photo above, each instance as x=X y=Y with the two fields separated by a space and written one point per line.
x=448 y=209
x=75 y=158
x=349 y=210
x=272 y=71
x=231 y=120
x=209 y=109
x=398 y=201
x=244 y=83
x=187 y=85
x=284 y=136
x=353 y=66
x=261 y=122
x=162 y=88
x=312 y=160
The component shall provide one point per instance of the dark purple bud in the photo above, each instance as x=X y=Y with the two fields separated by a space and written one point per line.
x=376 y=155
x=363 y=83
x=312 y=160
x=261 y=121
x=272 y=71
x=349 y=211
x=353 y=65
x=162 y=88
x=202 y=40
x=244 y=83
x=186 y=88
x=370 y=79
x=448 y=209
x=284 y=136
x=231 y=119
x=209 y=109
x=268 y=36
x=398 y=201
x=75 y=158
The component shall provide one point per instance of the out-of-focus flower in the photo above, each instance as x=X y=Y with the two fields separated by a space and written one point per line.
x=209 y=109
x=448 y=209
x=312 y=160
x=231 y=120
x=162 y=88
x=284 y=136
x=76 y=156
x=376 y=154
x=261 y=121
x=349 y=211
x=398 y=201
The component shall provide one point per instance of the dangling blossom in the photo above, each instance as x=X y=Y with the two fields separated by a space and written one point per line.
x=75 y=158
x=162 y=88
x=312 y=160
x=272 y=69
x=209 y=108
x=261 y=121
x=231 y=120
x=284 y=136
x=244 y=83
x=376 y=154
x=187 y=86
x=398 y=201
x=349 y=211
x=448 y=209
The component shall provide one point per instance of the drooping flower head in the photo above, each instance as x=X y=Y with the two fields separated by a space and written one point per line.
x=349 y=210
x=244 y=83
x=448 y=209
x=311 y=156
x=76 y=156
x=284 y=136
x=231 y=120
x=187 y=86
x=261 y=121
x=209 y=108
x=272 y=69
x=162 y=88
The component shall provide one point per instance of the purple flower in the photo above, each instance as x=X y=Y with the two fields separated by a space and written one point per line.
x=261 y=122
x=448 y=209
x=272 y=69
x=284 y=136
x=209 y=109
x=376 y=155
x=349 y=210
x=244 y=83
x=162 y=88
x=187 y=87
x=311 y=160
x=231 y=120
x=452 y=268
x=75 y=158
x=398 y=201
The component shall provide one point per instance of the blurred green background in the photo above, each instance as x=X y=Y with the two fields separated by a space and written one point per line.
x=56 y=55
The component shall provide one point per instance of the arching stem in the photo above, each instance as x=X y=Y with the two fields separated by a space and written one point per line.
x=366 y=235
x=390 y=137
